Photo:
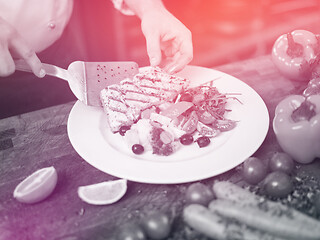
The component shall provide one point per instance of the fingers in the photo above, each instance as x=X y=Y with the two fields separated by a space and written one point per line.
x=10 y=43
x=20 y=47
x=6 y=62
x=169 y=42
x=170 y=48
x=181 y=58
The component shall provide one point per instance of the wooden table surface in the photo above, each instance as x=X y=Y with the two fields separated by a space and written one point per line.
x=39 y=139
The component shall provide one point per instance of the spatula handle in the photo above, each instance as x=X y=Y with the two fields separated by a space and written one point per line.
x=51 y=70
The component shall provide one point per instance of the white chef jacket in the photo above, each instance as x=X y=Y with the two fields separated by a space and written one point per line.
x=41 y=22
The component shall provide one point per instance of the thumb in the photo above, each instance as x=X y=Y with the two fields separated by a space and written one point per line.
x=153 y=48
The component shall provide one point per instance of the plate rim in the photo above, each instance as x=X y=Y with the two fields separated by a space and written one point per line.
x=115 y=172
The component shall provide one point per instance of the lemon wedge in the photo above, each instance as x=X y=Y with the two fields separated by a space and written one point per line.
x=103 y=193
x=37 y=186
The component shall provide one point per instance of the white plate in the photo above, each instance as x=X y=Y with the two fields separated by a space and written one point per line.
x=91 y=138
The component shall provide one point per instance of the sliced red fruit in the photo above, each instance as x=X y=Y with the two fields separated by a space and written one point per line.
x=224 y=125
x=175 y=110
x=205 y=130
x=206 y=117
x=190 y=125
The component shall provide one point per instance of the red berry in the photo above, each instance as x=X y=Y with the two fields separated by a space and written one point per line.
x=186 y=139
x=203 y=141
x=137 y=149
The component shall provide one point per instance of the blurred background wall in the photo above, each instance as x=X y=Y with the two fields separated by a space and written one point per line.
x=223 y=31
x=226 y=30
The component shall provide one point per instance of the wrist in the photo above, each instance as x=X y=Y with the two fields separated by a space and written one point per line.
x=142 y=8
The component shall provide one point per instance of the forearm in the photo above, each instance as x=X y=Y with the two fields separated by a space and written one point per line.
x=143 y=7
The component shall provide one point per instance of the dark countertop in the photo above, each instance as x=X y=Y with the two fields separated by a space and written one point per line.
x=39 y=139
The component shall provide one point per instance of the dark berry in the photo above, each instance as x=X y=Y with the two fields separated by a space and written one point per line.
x=137 y=149
x=123 y=130
x=203 y=141
x=186 y=139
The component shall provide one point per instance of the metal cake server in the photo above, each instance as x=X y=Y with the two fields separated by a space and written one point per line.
x=87 y=79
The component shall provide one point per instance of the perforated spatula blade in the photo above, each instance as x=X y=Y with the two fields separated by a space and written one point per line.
x=87 y=79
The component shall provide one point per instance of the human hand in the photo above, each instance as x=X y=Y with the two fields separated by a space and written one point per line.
x=12 y=46
x=169 y=42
